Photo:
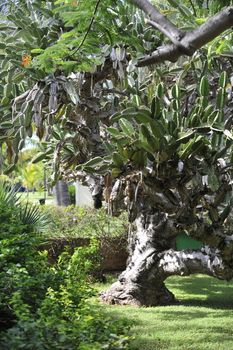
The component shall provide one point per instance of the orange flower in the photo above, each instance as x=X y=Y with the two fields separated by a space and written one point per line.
x=26 y=60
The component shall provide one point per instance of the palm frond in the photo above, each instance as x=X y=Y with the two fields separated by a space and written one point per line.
x=31 y=215
x=8 y=194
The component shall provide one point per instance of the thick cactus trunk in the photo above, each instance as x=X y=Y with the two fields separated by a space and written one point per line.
x=153 y=258
x=142 y=283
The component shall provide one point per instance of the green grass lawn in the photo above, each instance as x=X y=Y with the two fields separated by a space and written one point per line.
x=203 y=320
x=35 y=196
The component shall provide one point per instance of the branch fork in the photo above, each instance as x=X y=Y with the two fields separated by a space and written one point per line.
x=182 y=43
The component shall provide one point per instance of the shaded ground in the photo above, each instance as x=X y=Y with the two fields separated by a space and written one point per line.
x=201 y=321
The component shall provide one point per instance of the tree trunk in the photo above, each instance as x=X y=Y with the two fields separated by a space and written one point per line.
x=142 y=283
x=62 y=194
x=153 y=258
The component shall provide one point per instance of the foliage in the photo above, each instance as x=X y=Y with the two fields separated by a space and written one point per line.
x=71 y=190
x=28 y=174
x=61 y=317
x=144 y=136
x=56 y=313
x=32 y=176
x=63 y=27
x=57 y=32
x=25 y=214
x=18 y=246
x=84 y=222
x=44 y=306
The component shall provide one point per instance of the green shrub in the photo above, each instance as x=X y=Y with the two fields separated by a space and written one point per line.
x=84 y=222
x=23 y=270
x=62 y=317
x=46 y=306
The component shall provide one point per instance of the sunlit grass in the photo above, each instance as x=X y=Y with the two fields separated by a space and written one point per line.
x=34 y=197
x=201 y=321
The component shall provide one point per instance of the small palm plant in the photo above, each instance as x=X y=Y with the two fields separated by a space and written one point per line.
x=27 y=214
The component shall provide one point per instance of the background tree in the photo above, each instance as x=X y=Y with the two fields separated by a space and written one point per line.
x=61 y=193
x=30 y=175
x=156 y=141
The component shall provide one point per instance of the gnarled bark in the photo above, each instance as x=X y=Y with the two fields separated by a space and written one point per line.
x=140 y=284
x=153 y=255
x=152 y=261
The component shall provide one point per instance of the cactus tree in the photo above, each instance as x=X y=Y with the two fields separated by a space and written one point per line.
x=155 y=141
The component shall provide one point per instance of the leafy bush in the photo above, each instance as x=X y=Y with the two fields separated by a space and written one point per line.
x=65 y=319
x=46 y=306
x=23 y=271
x=84 y=222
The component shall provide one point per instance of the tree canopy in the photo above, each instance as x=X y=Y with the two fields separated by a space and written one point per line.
x=82 y=76
x=57 y=55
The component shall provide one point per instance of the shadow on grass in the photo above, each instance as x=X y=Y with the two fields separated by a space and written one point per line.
x=201 y=320
x=209 y=303
x=202 y=291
